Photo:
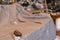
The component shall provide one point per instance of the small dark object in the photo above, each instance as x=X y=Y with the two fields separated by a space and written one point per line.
x=35 y=7
x=38 y=22
x=32 y=0
x=25 y=4
x=18 y=0
x=34 y=13
x=17 y=33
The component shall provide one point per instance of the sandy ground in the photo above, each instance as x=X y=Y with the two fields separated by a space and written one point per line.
x=9 y=23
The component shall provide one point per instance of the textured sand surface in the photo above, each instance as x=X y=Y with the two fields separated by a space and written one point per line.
x=7 y=26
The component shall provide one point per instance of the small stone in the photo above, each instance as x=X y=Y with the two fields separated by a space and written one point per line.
x=17 y=33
